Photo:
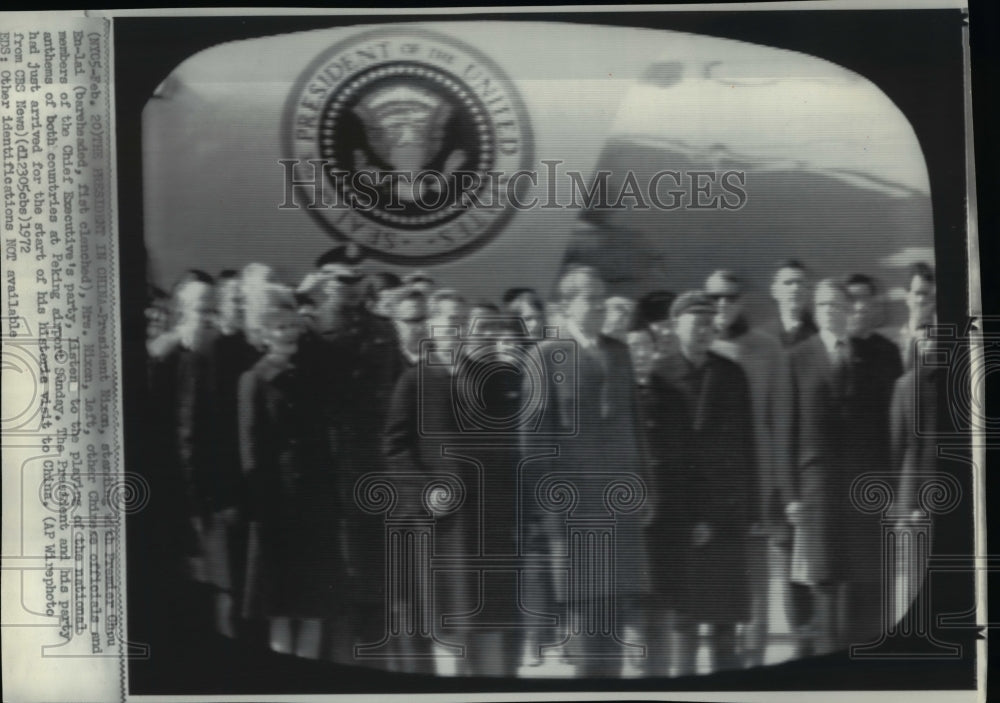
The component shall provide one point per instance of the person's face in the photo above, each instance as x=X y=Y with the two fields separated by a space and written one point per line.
x=831 y=310
x=728 y=300
x=199 y=312
x=307 y=313
x=342 y=291
x=643 y=351
x=157 y=319
x=617 y=315
x=411 y=318
x=662 y=328
x=449 y=313
x=920 y=300
x=231 y=304
x=791 y=289
x=383 y=302
x=532 y=317
x=695 y=332
x=283 y=334
x=862 y=313
x=259 y=275
x=586 y=309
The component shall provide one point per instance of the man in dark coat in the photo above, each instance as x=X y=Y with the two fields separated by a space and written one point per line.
x=881 y=364
x=921 y=290
x=183 y=442
x=294 y=566
x=922 y=411
x=599 y=404
x=764 y=362
x=427 y=433
x=355 y=352
x=409 y=317
x=707 y=496
x=790 y=290
x=836 y=549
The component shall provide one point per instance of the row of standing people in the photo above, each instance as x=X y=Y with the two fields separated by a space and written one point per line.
x=740 y=437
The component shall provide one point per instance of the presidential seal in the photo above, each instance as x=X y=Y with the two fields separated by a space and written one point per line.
x=407 y=143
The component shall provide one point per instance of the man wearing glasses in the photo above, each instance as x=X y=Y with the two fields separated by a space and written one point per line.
x=762 y=360
x=836 y=559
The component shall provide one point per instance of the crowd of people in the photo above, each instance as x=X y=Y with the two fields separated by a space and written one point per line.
x=272 y=402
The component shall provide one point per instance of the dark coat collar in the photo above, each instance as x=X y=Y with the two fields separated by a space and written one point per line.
x=735 y=330
x=676 y=366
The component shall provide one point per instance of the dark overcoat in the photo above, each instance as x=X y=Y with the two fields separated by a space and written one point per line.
x=224 y=538
x=594 y=424
x=295 y=568
x=879 y=365
x=424 y=435
x=181 y=449
x=231 y=356
x=358 y=366
x=707 y=474
x=832 y=443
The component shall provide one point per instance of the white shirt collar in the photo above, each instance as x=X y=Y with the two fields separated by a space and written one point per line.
x=908 y=332
x=582 y=340
x=790 y=324
x=830 y=342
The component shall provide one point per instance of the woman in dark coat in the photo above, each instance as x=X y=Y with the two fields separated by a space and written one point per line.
x=293 y=565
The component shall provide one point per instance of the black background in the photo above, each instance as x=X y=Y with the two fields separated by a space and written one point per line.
x=915 y=57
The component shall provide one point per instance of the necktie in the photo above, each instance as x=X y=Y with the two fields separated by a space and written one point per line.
x=840 y=352
x=842 y=365
x=600 y=375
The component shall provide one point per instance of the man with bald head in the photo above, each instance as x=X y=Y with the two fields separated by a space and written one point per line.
x=836 y=568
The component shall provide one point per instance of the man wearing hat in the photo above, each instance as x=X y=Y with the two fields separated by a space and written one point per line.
x=707 y=487
x=355 y=354
x=419 y=280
